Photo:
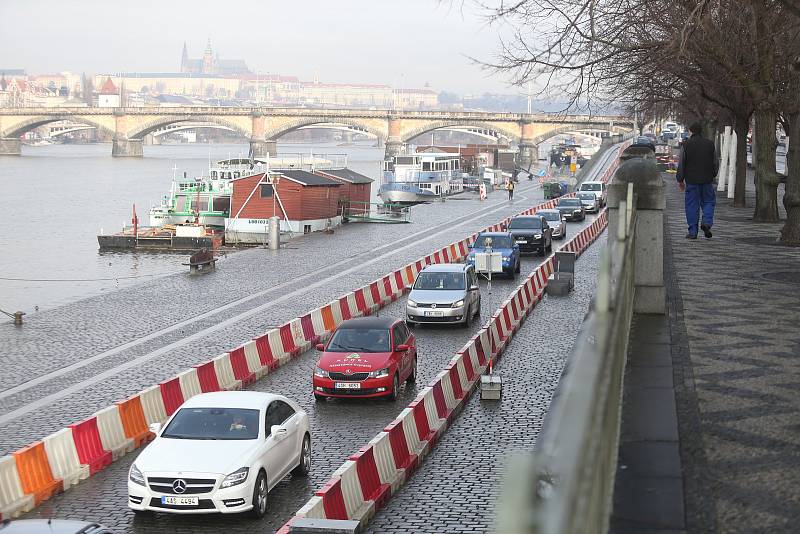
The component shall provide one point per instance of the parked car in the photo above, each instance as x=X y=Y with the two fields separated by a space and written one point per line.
x=221 y=452
x=444 y=293
x=572 y=209
x=590 y=201
x=555 y=220
x=51 y=526
x=600 y=189
x=366 y=357
x=531 y=233
x=502 y=242
x=644 y=141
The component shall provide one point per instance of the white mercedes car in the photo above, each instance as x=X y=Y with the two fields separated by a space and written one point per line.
x=221 y=452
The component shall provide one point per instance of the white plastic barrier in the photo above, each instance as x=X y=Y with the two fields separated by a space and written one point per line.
x=296 y=327
x=462 y=372
x=319 y=323
x=253 y=361
x=352 y=305
x=429 y=402
x=416 y=446
x=13 y=501
x=112 y=434
x=275 y=343
x=153 y=405
x=63 y=458
x=384 y=461
x=225 y=377
x=447 y=389
x=190 y=383
x=357 y=508
x=313 y=509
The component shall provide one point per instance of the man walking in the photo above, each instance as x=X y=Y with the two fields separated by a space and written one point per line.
x=510 y=189
x=696 y=172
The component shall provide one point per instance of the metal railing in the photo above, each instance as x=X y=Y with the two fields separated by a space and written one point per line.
x=567 y=484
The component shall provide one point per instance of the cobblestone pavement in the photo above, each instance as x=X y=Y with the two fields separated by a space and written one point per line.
x=339 y=427
x=735 y=306
x=159 y=328
x=456 y=487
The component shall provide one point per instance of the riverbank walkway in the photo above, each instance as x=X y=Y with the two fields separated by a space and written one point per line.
x=711 y=417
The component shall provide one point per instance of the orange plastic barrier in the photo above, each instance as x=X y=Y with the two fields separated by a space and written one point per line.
x=34 y=473
x=133 y=421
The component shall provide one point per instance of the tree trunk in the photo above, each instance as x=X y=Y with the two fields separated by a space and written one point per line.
x=767 y=178
x=790 y=233
x=741 y=126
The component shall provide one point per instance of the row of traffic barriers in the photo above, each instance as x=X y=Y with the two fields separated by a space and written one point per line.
x=366 y=481
x=40 y=470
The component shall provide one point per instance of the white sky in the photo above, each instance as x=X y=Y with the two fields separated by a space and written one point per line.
x=403 y=43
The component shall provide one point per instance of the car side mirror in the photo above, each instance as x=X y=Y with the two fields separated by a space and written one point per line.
x=278 y=432
x=401 y=348
x=320 y=347
x=155 y=428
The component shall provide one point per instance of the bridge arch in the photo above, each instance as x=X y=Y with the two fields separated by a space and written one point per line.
x=378 y=129
x=27 y=125
x=146 y=127
x=416 y=131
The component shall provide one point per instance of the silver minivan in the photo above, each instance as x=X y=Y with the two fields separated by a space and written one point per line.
x=444 y=293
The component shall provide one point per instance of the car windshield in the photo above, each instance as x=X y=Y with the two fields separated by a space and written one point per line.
x=445 y=281
x=551 y=215
x=525 y=223
x=590 y=187
x=497 y=241
x=360 y=340
x=570 y=202
x=213 y=423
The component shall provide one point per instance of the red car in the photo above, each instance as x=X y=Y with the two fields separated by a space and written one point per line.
x=366 y=357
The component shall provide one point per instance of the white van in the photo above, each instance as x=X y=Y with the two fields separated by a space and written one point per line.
x=598 y=188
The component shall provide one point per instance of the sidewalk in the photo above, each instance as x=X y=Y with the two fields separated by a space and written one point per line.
x=727 y=459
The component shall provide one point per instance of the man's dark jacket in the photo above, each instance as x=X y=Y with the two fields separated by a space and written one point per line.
x=698 y=163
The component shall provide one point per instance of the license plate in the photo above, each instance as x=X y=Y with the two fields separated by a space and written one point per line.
x=348 y=385
x=434 y=314
x=180 y=501
x=522 y=241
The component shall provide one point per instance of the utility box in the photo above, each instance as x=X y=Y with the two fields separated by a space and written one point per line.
x=562 y=281
x=491 y=387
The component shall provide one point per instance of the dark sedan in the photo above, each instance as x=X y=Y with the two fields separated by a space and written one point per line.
x=531 y=233
x=572 y=208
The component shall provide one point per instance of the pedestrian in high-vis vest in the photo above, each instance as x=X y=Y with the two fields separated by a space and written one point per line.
x=696 y=171
x=510 y=189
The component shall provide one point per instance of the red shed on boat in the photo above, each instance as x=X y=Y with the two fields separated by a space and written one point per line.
x=304 y=202
x=355 y=192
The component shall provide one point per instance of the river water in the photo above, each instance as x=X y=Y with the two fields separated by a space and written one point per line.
x=57 y=198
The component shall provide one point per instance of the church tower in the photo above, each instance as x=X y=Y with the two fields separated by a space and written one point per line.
x=208 y=59
x=185 y=59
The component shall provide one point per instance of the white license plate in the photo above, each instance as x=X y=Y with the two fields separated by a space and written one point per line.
x=180 y=501
x=348 y=385
x=523 y=241
x=434 y=314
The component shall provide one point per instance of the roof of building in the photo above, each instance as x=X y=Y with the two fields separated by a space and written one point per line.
x=109 y=88
x=307 y=178
x=349 y=175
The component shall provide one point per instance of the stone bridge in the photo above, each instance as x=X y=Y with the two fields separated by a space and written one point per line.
x=264 y=126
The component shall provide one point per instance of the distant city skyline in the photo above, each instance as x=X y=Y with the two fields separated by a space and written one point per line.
x=356 y=41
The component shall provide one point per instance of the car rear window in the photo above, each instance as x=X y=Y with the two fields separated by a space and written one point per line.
x=360 y=340
x=213 y=423
x=551 y=215
x=497 y=241
x=443 y=281
x=570 y=202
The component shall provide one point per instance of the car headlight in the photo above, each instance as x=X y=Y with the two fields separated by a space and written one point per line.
x=235 y=478
x=412 y=304
x=458 y=304
x=506 y=258
x=537 y=236
x=380 y=373
x=320 y=372
x=135 y=475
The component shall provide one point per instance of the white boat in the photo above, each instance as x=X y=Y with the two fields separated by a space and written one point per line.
x=421 y=177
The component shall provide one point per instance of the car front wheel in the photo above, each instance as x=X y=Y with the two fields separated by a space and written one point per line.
x=260 y=496
x=392 y=396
